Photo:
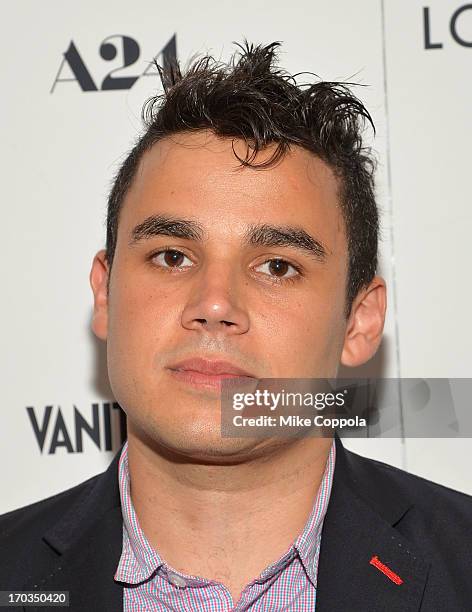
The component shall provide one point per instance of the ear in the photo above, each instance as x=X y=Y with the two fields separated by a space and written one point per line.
x=365 y=324
x=98 y=282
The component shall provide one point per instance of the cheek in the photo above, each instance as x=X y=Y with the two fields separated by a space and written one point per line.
x=139 y=320
x=308 y=337
x=313 y=330
x=140 y=327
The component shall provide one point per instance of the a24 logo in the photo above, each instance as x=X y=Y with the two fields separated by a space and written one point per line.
x=108 y=50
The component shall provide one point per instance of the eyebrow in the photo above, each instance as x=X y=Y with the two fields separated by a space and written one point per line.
x=259 y=234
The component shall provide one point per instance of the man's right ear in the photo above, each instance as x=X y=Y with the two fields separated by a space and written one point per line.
x=98 y=282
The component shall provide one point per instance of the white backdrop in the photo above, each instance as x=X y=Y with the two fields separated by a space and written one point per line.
x=62 y=141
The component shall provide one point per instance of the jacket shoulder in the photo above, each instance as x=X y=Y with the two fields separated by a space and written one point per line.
x=435 y=504
x=35 y=536
x=420 y=485
x=26 y=523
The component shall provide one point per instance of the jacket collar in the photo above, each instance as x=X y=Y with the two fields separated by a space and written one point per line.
x=363 y=510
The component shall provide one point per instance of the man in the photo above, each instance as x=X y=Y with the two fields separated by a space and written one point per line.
x=241 y=244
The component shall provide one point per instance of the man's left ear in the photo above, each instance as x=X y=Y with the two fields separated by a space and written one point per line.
x=365 y=324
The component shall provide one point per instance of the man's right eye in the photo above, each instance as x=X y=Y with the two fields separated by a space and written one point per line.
x=171 y=258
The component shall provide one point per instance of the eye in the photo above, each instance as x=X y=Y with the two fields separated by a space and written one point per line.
x=171 y=258
x=278 y=268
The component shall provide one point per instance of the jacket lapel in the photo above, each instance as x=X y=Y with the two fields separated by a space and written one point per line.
x=365 y=563
x=87 y=544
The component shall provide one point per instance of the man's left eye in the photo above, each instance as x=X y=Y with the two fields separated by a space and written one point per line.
x=278 y=268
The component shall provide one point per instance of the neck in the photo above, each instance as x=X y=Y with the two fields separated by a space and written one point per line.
x=213 y=520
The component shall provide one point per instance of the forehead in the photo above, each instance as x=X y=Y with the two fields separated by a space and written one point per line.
x=197 y=174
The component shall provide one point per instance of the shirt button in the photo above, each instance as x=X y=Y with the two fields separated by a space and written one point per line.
x=177 y=581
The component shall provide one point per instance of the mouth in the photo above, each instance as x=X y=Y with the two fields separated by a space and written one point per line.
x=208 y=374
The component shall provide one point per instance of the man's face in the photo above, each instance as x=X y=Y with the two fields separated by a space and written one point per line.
x=208 y=287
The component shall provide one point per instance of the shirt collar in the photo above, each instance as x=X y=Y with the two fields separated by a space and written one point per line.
x=308 y=542
x=138 y=559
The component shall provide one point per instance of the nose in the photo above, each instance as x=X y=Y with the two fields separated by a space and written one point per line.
x=215 y=304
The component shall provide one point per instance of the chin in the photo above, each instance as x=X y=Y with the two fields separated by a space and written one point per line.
x=202 y=443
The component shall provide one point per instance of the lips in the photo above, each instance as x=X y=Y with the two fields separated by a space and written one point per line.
x=206 y=373
x=209 y=367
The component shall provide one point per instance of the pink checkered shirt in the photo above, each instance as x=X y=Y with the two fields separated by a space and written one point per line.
x=150 y=584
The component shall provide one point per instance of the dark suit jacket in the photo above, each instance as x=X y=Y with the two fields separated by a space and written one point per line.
x=419 y=530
